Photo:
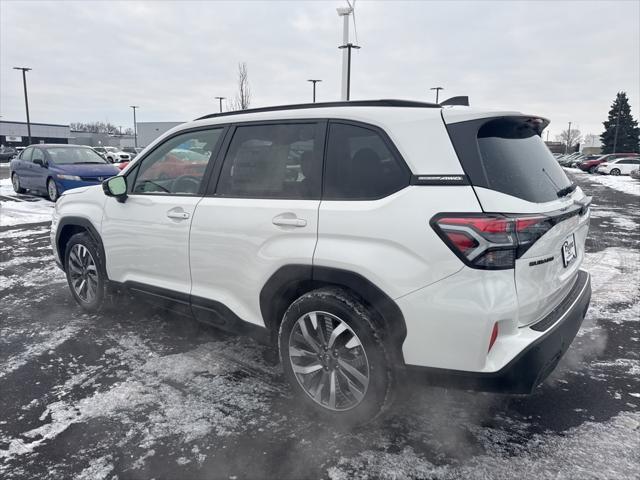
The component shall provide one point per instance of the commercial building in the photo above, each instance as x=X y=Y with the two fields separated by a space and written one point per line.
x=15 y=134
x=94 y=139
x=149 y=131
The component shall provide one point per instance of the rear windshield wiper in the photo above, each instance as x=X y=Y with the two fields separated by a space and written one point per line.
x=566 y=190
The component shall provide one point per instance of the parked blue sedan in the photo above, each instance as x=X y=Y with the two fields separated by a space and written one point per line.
x=51 y=169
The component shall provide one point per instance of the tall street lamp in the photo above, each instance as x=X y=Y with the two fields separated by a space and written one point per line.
x=349 y=47
x=314 y=81
x=220 y=99
x=437 y=89
x=26 y=98
x=135 y=126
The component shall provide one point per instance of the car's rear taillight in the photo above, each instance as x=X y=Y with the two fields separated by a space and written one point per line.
x=490 y=241
x=604 y=164
x=494 y=336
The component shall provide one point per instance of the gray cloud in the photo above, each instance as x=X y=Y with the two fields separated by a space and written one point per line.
x=90 y=60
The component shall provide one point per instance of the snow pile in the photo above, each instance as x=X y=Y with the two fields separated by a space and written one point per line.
x=19 y=211
x=573 y=454
x=621 y=183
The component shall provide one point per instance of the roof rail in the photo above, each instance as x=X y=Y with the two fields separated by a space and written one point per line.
x=352 y=103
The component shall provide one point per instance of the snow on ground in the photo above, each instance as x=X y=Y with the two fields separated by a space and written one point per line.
x=185 y=395
x=573 y=454
x=19 y=211
x=615 y=283
x=622 y=183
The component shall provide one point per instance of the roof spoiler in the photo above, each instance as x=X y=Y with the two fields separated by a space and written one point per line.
x=464 y=100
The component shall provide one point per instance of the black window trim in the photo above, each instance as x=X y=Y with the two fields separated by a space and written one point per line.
x=206 y=177
x=387 y=142
x=321 y=125
x=211 y=177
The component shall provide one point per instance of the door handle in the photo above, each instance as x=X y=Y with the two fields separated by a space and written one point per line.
x=178 y=214
x=289 y=220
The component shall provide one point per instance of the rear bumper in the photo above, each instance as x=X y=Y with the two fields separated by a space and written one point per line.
x=531 y=366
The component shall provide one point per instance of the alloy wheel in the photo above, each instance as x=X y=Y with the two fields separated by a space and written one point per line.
x=329 y=361
x=83 y=273
x=52 y=190
x=615 y=171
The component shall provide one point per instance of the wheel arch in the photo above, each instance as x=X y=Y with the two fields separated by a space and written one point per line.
x=292 y=281
x=68 y=227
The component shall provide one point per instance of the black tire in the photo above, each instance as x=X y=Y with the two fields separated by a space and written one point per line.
x=97 y=302
x=593 y=169
x=15 y=181
x=52 y=190
x=377 y=395
x=615 y=171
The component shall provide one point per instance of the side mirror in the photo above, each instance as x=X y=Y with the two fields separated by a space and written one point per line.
x=38 y=161
x=115 y=187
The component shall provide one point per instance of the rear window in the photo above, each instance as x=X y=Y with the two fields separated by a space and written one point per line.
x=510 y=158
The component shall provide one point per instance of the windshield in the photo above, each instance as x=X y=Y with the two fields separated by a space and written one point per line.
x=71 y=155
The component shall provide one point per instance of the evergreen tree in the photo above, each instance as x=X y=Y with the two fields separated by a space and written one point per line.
x=620 y=119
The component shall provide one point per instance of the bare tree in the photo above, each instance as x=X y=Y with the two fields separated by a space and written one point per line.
x=94 y=127
x=570 y=139
x=243 y=97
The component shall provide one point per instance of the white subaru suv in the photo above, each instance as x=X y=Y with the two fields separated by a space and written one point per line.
x=365 y=240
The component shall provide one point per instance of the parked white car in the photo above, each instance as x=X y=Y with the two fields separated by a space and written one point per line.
x=621 y=166
x=378 y=258
x=113 y=154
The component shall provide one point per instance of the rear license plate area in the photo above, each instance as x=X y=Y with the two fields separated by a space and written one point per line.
x=569 y=250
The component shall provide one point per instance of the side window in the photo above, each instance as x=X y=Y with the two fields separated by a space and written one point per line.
x=37 y=155
x=282 y=161
x=178 y=165
x=25 y=156
x=360 y=166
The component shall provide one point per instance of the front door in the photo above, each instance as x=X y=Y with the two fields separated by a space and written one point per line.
x=262 y=215
x=146 y=237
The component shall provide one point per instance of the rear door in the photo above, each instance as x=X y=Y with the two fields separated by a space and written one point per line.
x=23 y=168
x=262 y=215
x=514 y=173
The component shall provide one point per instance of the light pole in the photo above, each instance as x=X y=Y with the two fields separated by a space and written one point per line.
x=26 y=98
x=437 y=89
x=220 y=99
x=566 y=147
x=314 y=81
x=349 y=47
x=135 y=126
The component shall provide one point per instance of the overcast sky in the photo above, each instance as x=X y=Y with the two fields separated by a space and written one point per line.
x=90 y=59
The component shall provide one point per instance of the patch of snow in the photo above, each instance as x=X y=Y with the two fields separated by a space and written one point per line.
x=615 y=284
x=572 y=454
x=621 y=183
x=37 y=345
x=185 y=396
x=20 y=233
x=19 y=212
x=631 y=366
x=98 y=469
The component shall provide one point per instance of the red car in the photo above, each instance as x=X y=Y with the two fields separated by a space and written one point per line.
x=592 y=165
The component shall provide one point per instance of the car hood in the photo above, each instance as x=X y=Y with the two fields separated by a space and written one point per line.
x=87 y=169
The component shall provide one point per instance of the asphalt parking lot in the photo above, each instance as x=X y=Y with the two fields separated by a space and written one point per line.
x=138 y=393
